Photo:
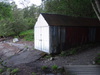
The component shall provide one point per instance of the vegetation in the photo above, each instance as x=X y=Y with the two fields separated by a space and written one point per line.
x=14 y=21
x=78 y=49
x=27 y=35
x=33 y=73
x=44 y=67
x=47 y=56
x=71 y=51
x=15 y=71
x=8 y=70
x=97 y=59
x=1 y=70
x=5 y=10
x=54 y=67
x=76 y=8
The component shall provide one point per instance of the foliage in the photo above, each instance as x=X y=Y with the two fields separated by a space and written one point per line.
x=97 y=59
x=5 y=10
x=15 y=71
x=1 y=70
x=5 y=15
x=78 y=49
x=21 y=20
x=33 y=73
x=44 y=67
x=11 y=71
x=30 y=14
x=5 y=69
x=71 y=51
x=24 y=33
x=48 y=56
x=54 y=67
x=18 y=22
x=27 y=35
x=5 y=27
x=76 y=8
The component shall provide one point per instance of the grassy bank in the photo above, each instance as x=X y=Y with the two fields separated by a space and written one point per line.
x=27 y=35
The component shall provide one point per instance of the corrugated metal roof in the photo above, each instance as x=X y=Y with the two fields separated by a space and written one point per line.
x=62 y=20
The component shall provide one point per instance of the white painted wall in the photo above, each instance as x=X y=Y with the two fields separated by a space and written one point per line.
x=41 y=35
x=41 y=22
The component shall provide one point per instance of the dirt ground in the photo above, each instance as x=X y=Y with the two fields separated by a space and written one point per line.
x=24 y=52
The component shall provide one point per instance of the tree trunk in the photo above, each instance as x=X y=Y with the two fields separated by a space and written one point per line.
x=96 y=7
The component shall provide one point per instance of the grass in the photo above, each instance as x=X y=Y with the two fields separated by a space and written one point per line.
x=75 y=50
x=27 y=35
x=71 y=51
x=8 y=34
x=15 y=71
x=47 y=56
x=28 y=32
x=54 y=67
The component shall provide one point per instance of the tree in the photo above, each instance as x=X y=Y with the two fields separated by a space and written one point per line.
x=76 y=8
x=5 y=15
x=15 y=24
x=18 y=22
x=5 y=27
x=5 y=10
x=30 y=14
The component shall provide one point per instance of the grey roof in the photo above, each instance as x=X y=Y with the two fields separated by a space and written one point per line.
x=62 y=20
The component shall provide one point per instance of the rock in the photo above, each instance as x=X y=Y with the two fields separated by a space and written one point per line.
x=8 y=72
x=51 y=59
x=60 y=67
x=15 y=40
x=50 y=74
x=4 y=41
x=4 y=73
x=93 y=62
x=1 y=66
x=28 y=49
x=22 y=50
x=59 y=74
x=46 y=61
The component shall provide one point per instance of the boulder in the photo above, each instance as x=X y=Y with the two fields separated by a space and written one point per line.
x=15 y=40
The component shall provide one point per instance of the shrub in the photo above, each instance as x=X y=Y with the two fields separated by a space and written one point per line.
x=44 y=67
x=97 y=59
x=54 y=67
x=33 y=73
x=15 y=71
x=28 y=35
x=1 y=70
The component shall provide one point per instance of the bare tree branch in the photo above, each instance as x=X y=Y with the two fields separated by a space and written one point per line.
x=96 y=7
x=24 y=3
x=97 y=2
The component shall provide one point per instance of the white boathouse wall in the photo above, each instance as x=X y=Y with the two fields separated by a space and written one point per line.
x=41 y=35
